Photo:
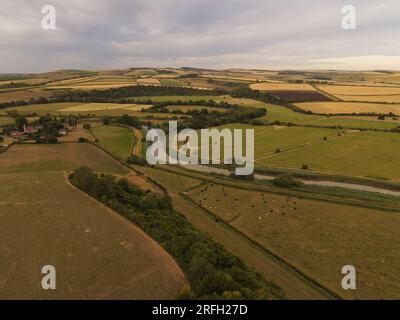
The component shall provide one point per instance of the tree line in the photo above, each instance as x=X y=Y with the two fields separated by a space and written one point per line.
x=213 y=272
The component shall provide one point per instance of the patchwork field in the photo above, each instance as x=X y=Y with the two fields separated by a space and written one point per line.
x=348 y=107
x=317 y=237
x=117 y=140
x=96 y=253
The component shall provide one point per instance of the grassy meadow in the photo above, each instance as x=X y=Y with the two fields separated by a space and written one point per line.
x=117 y=140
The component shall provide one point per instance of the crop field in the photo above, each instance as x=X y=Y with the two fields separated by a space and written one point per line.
x=317 y=237
x=117 y=140
x=97 y=254
x=360 y=90
x=357 y=154
x=273 y=86
x=384 y=99
x=148 y=81
x=348 y=107
x=17 y=95
x=60 y=157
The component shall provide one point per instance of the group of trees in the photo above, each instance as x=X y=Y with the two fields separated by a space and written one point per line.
x=120 y=94
x=161 y=107
x=213 y=272
x=202 y=120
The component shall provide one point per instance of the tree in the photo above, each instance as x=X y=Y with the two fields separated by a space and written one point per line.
x=106 y=121
x=20 y=122
x=286 y=181
x=84 y=179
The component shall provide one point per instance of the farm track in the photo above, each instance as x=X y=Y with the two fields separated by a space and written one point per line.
x=137 y=148
x=294 y=148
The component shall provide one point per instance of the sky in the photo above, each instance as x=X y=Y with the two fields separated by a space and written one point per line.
x=218 y=34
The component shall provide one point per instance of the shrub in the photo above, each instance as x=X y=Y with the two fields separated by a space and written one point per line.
x=82 y=140
x=304 y=167
x=136 y=160
x=286 y=181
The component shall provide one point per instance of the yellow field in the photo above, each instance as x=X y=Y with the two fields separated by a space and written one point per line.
x=388 y=98
x=104 y=106
x=267 y=86
x=359 y=90
x=148 y=81
x=92 y=86
x=348 y=107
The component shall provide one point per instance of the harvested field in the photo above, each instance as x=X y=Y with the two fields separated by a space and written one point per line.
x=385 y=99
x=348 y=108
x=59 y=157
x=272 y=86
x=17 y=95
x=359 y=90
x=96 y=253
x=148 y=81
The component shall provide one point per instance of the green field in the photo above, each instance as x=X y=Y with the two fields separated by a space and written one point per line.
x=117 y=140
x=353 y=123
x=361 y=154
x=270 y=138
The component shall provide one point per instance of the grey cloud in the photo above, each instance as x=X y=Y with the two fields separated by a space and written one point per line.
x=217 y=34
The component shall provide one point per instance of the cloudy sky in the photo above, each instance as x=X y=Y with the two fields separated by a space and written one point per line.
x=269 y=34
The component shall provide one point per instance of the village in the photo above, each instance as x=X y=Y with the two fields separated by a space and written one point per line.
x=40 y=130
